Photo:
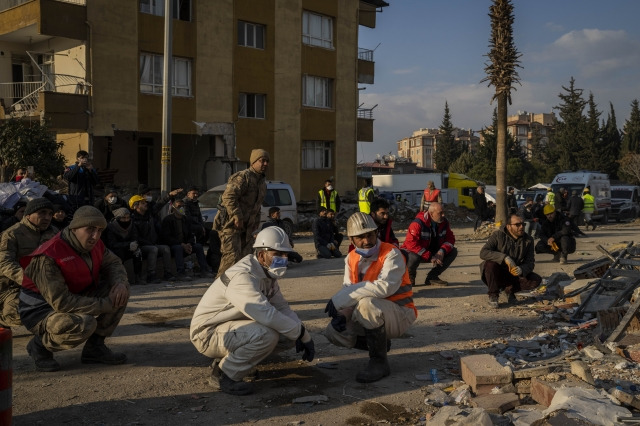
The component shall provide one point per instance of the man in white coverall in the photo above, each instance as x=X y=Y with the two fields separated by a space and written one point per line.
x=376 y=300
x=243 y=316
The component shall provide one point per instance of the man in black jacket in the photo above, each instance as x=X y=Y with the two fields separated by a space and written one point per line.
x=480 y=206
x=145 y=225
x=177 y=235
x=122 y=238
x=508 y=261
x=194 y=215
x=556 y=235
x=82 y=178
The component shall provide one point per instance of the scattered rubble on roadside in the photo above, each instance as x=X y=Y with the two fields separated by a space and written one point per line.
x=580 y=366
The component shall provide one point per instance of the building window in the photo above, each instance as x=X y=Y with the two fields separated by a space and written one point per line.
x=250 y=35
x=316 y=155
x=251 y=105
x=181 y=8
x=522 y=131
x=317 y=91
x=151 y=70
x=317 y=30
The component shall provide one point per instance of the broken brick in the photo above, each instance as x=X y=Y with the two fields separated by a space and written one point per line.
x=496 y=403
x=483 y=373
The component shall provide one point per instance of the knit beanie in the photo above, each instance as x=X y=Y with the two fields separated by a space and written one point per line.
x=121 y=212
x=257 y=154
x=87 y=216
x=38 y=204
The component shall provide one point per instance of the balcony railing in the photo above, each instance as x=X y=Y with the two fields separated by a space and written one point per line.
x=366 y=113
x=365 y=54
x=24 y=95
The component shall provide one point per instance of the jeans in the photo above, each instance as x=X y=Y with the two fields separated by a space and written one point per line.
x=178 y=253
x=151 y=253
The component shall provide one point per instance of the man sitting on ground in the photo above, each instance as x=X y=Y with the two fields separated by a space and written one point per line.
x=508 y=261
x=430 y=239
x=323 y=236
x=74 y=290
x=556 y=235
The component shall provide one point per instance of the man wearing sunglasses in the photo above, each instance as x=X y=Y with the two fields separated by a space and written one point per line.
x=508 y=261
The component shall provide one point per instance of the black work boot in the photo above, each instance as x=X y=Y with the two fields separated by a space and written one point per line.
x=220 y=381
x=96 y=352
x=361 y=344
x=41 y=355
x=378 y=366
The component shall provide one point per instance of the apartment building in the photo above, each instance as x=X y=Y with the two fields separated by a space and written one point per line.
x=526 y=127
x=281 y=75
x=421 y=146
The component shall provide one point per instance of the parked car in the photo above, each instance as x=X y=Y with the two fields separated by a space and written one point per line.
x=278 y=194
x=625 y=202
x=521 y=196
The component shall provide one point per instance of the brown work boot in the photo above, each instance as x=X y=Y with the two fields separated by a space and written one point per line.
x=493 y=301
x=96 y=352
x=42 y=357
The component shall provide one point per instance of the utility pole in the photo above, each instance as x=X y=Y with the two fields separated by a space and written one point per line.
x=167 y=94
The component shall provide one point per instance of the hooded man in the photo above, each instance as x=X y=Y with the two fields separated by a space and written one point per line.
x=239 y=209
x=74 y=290
x=243 y=317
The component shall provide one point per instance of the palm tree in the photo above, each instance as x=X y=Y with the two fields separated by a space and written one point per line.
x=501 y=74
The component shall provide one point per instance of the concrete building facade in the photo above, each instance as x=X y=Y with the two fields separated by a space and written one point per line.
x=281 y=75
x=421 y=146
x=526 y=127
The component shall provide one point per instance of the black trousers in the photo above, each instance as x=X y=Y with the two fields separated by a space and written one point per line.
x=414 y=260
x=567 y=245
x=496 y=276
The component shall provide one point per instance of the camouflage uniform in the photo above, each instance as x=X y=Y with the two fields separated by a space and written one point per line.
x=17 y=241
x=72 y=318
x=243 y=199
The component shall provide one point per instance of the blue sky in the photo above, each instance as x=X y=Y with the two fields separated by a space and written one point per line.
x=429 y=51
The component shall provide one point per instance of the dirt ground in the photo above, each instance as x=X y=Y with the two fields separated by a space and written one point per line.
x=165 y=379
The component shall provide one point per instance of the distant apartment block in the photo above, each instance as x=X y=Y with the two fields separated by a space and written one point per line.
x=421 y=146
x=527 y=127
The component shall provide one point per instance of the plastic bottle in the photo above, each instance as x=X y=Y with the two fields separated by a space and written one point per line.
x=434 y=375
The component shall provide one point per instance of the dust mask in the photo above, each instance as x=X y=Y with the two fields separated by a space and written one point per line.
x=278 y=267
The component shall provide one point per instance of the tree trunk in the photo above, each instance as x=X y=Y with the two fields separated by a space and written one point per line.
x=501 y=160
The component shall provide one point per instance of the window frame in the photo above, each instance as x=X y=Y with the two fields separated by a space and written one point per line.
x=310 y=37
x=244 y=27
x=245 y=103
x=325 y=84
x=179 y=87
x=156 y=8
x=324 y=148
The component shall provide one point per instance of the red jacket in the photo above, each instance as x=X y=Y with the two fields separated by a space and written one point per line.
x=420 y=234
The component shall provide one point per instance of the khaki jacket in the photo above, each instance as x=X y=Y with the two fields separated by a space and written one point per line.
x=243 y=199
x=19 y=240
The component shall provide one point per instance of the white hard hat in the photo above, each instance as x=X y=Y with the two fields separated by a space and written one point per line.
x=273 y=238
x=360 y=223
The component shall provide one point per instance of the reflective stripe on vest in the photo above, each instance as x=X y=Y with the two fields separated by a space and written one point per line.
x=403 y=296
x=332 y=200
x=363 y=200
x=589 y=203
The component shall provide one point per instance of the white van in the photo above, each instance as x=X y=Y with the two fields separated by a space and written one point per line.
x=278 y=194
x=599 y=187
x=625 y=202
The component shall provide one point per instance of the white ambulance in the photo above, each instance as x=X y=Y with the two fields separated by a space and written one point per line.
x=598 y=184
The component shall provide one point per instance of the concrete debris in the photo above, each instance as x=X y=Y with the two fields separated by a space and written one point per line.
x=313 y=398
x=588 y=405
x=581 y=370
x=525 y=415
x=451 y=415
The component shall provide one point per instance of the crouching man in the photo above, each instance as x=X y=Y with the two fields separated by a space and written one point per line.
x=376 y=301
x=243 y=317
x=74 y=290
x=508 y=261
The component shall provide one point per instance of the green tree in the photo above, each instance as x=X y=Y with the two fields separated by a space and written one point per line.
x=463 y=164
x=24 y=144
x=589 y=155
x=502 y=74
x=447 y=149
x=631 y=130
x=611 y=143
x=571 y=133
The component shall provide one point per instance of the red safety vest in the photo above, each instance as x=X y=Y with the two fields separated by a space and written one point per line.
x=74 y=269
x=403 y=296
x=431 y=196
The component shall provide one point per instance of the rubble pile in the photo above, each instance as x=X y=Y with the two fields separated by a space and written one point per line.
x=580 y=366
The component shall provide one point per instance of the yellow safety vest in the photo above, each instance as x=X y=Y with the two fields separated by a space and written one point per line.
x=589 y=203
x=551 y=198
x=363 y=200
x=332 y=200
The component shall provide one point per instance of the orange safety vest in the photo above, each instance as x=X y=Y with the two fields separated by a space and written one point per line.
x=431 y=196
x=403 y=296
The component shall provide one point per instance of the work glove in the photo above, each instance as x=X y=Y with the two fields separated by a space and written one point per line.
x=339 y=323
x=133 y=246
x=516 y=272
x=330 y=309
x=554 y=246
x=509 y=262
x=305 y=344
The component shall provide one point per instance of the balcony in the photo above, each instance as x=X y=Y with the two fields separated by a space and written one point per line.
x=365 y=124
x=366 y=66
x=368 y=10
x=34 y=21
x=61 y=99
